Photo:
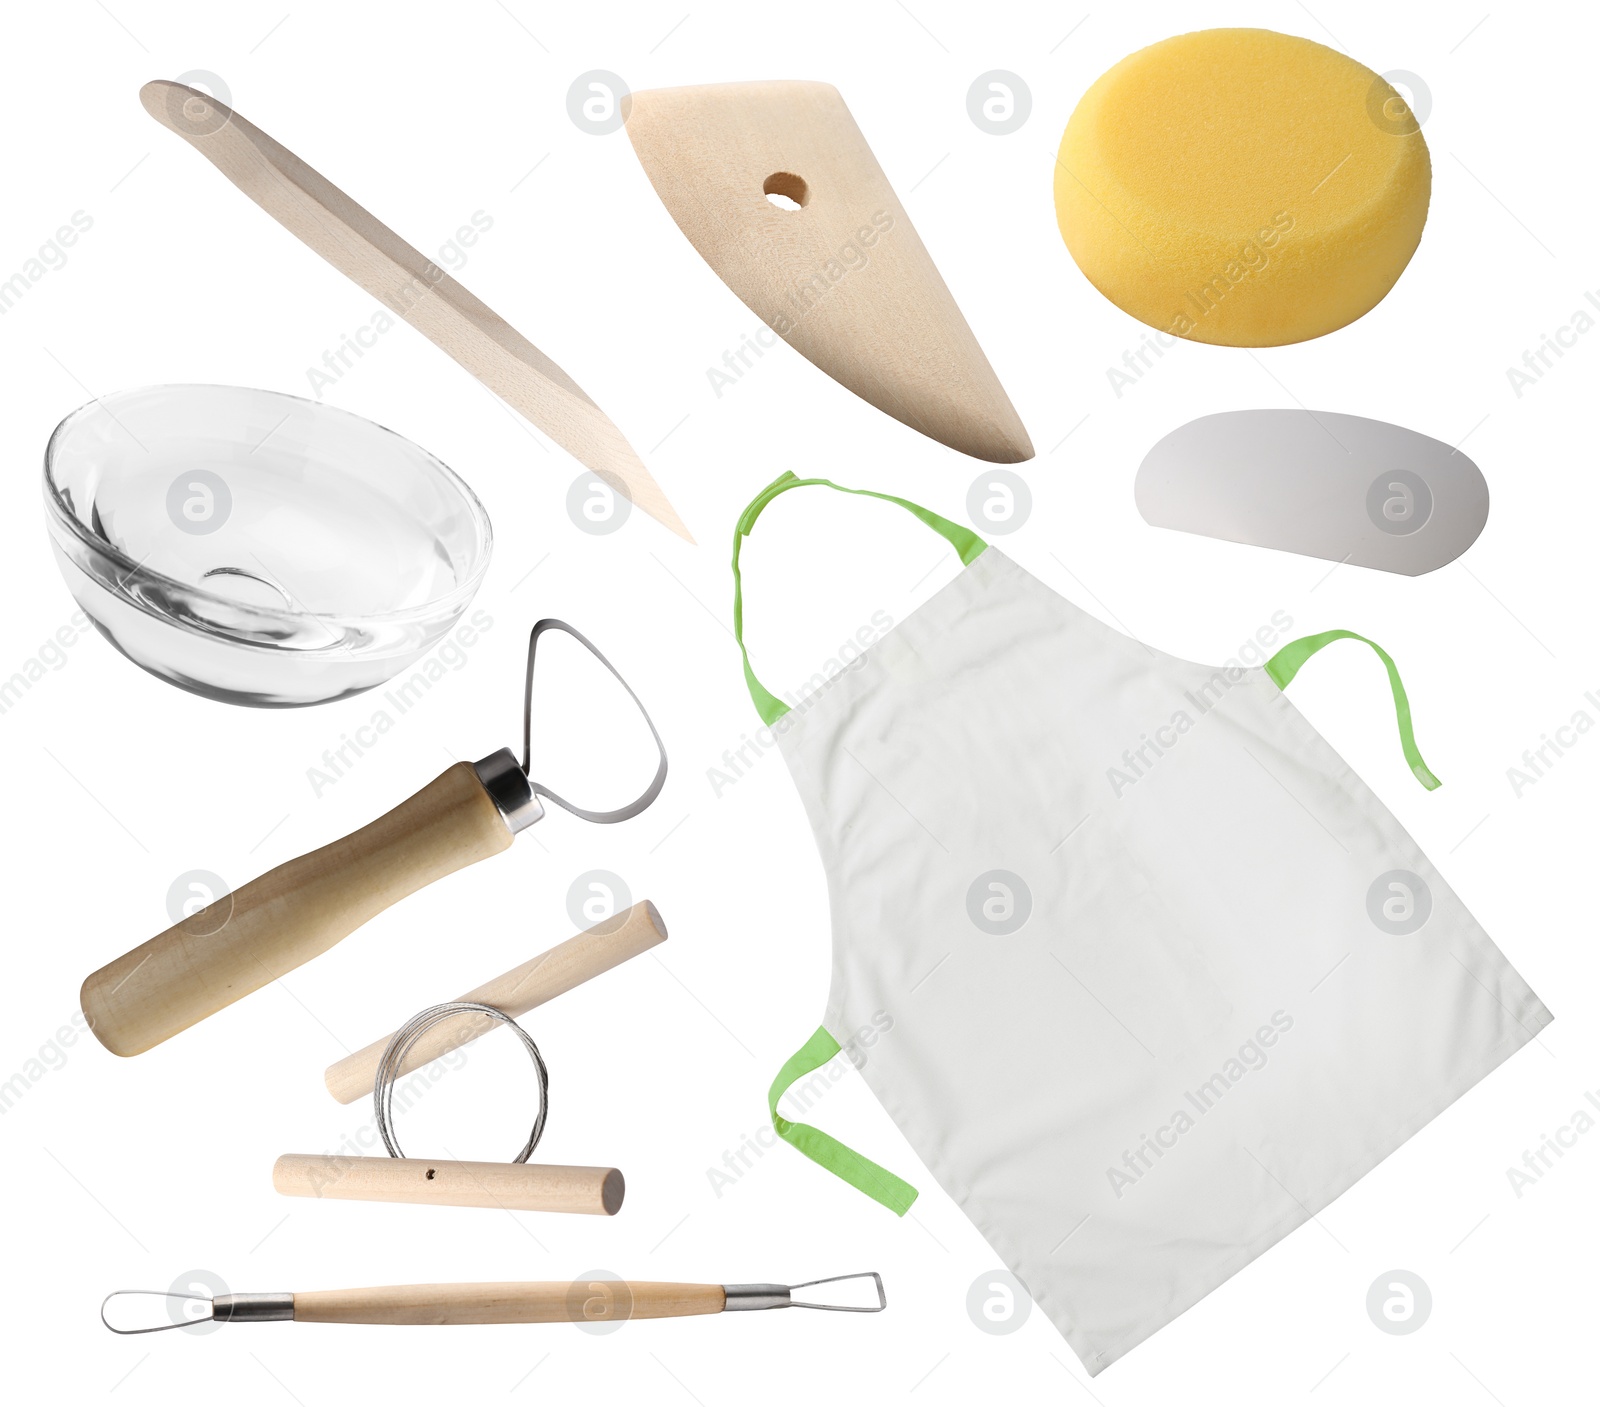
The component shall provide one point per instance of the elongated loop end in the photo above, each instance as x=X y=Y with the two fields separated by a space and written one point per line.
x=172 y=1322
x=872 y=1275
x=602 y=818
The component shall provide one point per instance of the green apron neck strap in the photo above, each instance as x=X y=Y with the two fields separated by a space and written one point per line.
x=861 y=1173
x=966 y=543
x=1284 y=665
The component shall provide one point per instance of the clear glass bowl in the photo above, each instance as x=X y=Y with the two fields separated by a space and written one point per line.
x=259 y=548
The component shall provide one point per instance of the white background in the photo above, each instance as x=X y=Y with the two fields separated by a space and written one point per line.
x=129 y=1173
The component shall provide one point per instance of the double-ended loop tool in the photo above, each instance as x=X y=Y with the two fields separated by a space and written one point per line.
x=537 y=1302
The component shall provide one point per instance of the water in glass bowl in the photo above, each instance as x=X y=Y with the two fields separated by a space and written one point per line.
x=256 y=547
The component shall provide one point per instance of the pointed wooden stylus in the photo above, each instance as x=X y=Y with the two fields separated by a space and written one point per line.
x=409 y=284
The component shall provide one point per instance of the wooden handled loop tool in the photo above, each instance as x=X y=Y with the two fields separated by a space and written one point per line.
x=291 y=914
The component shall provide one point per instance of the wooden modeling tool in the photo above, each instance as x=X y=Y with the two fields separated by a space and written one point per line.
x=539 y=1302
x=299 y=910
x=411 y=285
x=776 y=187
x=563 y=967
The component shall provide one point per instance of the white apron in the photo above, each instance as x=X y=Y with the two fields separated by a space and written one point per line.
x=1143 y=971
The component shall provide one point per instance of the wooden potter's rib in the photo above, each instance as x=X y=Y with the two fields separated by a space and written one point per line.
x=410 y=285
x=844 y=279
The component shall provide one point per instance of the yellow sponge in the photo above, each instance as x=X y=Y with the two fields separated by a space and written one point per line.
x=1242 y=187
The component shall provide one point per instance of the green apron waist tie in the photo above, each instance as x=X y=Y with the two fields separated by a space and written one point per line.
x=861 y=1173
x=1284 y=665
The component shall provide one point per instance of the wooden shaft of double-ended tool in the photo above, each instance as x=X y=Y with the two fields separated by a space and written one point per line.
x=291 y=914
x=518 y=1187
x=537 y=1302
x=563 y=967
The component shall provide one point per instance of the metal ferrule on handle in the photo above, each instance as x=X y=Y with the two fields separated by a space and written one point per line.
x=260 y=1308
x=510 y=790
x=756 y=1297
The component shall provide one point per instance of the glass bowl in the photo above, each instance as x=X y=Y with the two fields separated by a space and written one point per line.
x=259 y=548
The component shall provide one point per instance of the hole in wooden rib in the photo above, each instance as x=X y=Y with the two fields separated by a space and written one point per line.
x=430 y=1174
x=785 y=190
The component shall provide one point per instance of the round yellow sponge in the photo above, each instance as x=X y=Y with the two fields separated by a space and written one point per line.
x=1242 y=187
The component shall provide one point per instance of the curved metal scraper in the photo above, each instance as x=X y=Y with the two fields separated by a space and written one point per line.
x=1321 y=484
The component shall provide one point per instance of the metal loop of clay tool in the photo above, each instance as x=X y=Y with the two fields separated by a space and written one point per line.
x=400 y=1044
x=877 y=1281
x=739 y=1297
x=159 y=1294
x=604 y=818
